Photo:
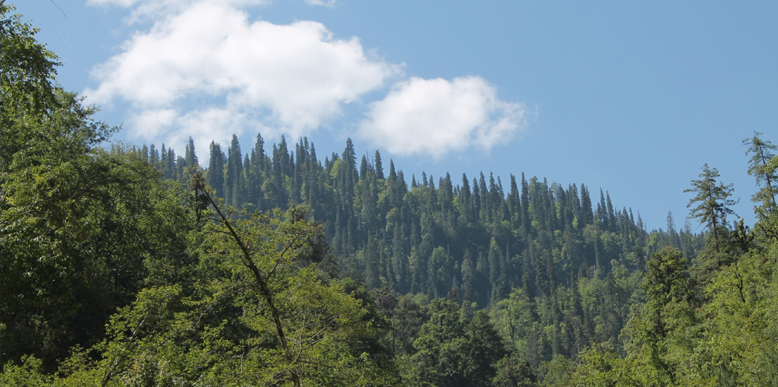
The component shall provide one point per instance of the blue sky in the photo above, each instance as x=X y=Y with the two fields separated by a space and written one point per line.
x=630 y=97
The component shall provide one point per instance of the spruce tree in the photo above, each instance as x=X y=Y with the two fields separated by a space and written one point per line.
x=711 y=205
x=215 y=177
x=191 y=156
x=763 y=166
x=379 y=168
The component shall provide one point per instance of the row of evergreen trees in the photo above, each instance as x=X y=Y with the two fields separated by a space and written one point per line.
x=476 y=241
x=112 y=275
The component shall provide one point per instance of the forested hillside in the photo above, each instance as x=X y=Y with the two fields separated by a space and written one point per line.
x=131 y=265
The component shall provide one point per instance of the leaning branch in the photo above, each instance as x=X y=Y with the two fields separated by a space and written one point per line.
x=199 y=187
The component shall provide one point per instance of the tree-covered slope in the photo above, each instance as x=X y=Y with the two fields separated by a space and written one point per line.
x=130 y=265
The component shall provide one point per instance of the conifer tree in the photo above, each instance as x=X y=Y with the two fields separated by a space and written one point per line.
x=191 y=156
x=711 y=205
x=170 y=163
x=233 y=177
x=153 y=156
x=763 y=166
x=216 y=170
x=586 y=206
x=379 y=167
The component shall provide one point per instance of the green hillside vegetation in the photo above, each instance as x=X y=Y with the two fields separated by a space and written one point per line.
x=132 y=265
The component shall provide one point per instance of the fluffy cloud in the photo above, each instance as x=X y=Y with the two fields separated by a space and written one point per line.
x=437 y=116
x=203 y=69
x=207 y=69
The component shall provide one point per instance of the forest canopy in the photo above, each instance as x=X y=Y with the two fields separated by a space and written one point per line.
x=133 y=265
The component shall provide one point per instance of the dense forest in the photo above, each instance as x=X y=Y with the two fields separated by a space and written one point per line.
x=133 y=265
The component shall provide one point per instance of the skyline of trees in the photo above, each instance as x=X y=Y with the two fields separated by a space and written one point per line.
x=124 y=265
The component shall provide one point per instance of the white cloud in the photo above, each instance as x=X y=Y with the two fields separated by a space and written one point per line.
x=203 y=125
x=437 y=116
x=206 y=68
x=149 y=123
x=325 y=3
x=161 y=9
x=203 y=69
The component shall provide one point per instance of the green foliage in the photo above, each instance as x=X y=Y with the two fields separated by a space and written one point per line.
x=28 y=373
x=557 y=372
x=602 y=366
x=763 y=166
x=764 y=169
x=711 y=205
x=82 y=228
x=660 y=332
x=26 y=81
x=515 y=318
x=455 y=352
x=687 y=333
x=113 y=273
x=580 y=273
x=511 y=372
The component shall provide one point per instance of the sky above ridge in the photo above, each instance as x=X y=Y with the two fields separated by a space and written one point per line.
x=630 y=97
